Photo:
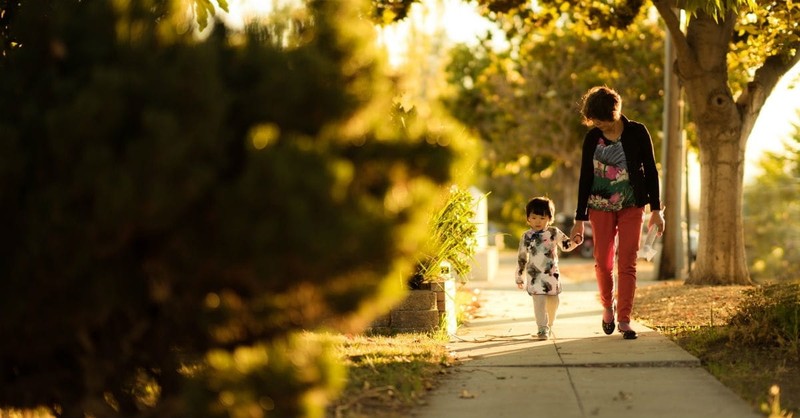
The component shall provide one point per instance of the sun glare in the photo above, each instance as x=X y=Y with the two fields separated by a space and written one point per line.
x=240 y=11
x=458 y=22
x=777 y=122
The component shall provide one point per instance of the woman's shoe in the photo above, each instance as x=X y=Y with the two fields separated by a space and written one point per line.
x=627 y=333
x=608 y=327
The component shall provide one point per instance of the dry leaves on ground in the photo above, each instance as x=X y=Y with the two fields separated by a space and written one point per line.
x=673 y=304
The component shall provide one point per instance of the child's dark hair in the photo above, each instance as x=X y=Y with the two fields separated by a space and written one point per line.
x=541 y=206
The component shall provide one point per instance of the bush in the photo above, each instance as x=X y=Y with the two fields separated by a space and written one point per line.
x=769 y=316
x=176 y=210
x=452 y=240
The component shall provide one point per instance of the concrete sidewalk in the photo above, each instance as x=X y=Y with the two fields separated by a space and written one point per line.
x=579 y=372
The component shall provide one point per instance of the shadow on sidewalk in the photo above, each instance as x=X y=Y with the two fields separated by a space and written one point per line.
x=504 y=372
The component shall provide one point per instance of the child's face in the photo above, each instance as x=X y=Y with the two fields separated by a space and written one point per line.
x=538 y=222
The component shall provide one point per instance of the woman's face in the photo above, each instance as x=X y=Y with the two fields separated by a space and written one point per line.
x=603 y=125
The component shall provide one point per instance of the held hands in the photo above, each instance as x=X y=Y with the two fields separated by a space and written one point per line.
x=576 y=235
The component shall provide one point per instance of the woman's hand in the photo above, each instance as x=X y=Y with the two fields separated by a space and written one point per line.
x=576 y=235
x=657 y=220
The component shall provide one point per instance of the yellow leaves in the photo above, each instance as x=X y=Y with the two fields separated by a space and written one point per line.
x=717 y=9
x=465 y=394
x=204 y=8
x=764 y=31
x=243 y=359
x=264 y=135
x=387 y=17
x=212 y=300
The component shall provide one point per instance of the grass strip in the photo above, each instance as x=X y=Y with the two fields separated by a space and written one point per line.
x=387 y=375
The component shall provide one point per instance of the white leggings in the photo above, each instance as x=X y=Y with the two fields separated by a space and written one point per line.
x=544 y=309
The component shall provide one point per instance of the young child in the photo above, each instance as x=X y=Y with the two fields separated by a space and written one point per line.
x=537 y=262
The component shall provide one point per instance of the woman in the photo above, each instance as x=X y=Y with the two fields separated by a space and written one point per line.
x=618 y=178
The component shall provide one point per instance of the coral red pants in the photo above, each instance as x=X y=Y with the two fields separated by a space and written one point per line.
x=624 y=226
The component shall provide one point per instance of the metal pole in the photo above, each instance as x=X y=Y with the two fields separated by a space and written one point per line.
x=671 y=262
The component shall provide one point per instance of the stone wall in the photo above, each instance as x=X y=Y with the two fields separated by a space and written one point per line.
x=428 y=309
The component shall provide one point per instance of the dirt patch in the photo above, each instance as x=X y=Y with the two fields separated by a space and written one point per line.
x=674 y=304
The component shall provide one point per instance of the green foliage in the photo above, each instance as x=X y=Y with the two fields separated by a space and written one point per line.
x=523 y=103
x=291 y=377
x=769 y=316
x=451 y=231
x=773 y=246
x=205 y=8
x=767 y=30
x=717 y=9
x=175 y=204
x=593 y=14
x=451 y=237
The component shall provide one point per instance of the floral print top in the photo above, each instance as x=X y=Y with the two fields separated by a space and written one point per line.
x=537 y=260
x=611 y=188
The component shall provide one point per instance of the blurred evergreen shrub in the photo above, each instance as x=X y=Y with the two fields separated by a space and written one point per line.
x=175 y=210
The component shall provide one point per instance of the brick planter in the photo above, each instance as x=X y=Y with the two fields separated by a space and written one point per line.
x=424 y=310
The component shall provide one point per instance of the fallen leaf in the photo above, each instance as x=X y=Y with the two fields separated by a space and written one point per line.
x=623 y=396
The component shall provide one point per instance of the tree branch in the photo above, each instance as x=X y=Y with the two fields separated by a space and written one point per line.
x=667 y=11
x=766 y=78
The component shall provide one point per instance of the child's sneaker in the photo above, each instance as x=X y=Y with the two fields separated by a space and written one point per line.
x=543 y=333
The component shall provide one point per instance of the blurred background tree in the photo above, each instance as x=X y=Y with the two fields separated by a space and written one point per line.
x=730 y=56
x=177 y=210
x=523 y=102
x=771 y=211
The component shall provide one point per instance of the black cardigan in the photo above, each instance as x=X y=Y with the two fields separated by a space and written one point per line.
x=642 y=171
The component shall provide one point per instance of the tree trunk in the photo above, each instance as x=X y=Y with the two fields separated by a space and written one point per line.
x=722 y=139
x=720 y=254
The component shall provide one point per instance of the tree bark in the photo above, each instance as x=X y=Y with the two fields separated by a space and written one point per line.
x=703 y=70
x=720 y=255
x=723 y=126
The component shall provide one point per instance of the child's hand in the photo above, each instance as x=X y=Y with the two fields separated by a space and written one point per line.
x=519 y=286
